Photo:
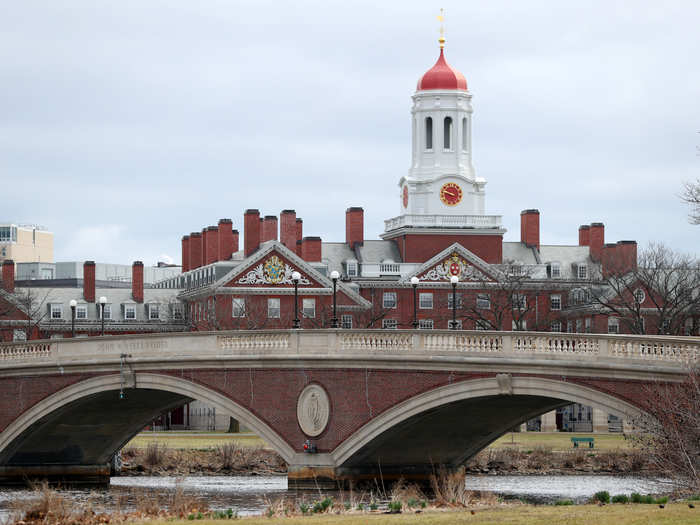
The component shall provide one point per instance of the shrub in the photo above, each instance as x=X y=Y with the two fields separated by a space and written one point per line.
x=564 y=502
x=373 y=505
x=303 y=507
x=603 y=496
x=322 y=506
x=636 y=497
x=227 y=455
x=395 y=507
x=155 y=454
x=620 y=498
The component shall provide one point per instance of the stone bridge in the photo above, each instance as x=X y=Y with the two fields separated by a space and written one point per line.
x=399 y=402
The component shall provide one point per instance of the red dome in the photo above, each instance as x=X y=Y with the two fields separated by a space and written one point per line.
x=442 y=76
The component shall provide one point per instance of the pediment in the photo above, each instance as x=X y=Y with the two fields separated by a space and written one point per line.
x=273 y=269
x=456 y=260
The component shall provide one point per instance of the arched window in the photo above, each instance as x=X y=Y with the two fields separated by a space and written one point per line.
x=429 y=133
x=464 y=134
x=448 y=132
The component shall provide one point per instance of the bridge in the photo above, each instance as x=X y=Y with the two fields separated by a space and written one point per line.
x=364 y=401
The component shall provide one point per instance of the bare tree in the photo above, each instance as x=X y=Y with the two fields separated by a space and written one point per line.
x=663 y=288
x=34 y=304
x=691 y=195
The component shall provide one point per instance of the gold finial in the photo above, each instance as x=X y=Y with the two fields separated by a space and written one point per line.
x=441 y=19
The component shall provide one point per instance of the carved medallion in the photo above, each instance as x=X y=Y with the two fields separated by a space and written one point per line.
x=454 y=265
x=313 y=410
x=272 y=271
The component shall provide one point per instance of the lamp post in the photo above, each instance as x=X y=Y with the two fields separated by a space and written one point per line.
x=454 y=280
x=296 y=276
x=103 y=301
x=73 y=303
x=414 y=283
x=334 y=276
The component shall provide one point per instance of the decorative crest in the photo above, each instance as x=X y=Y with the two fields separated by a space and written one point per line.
x=272 y=271
x=453 y=265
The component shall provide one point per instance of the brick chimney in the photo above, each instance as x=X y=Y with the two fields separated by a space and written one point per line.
x=8 y=275
x=584 y=235
x=269 y=230
x=137 y=281
x=226 y=247
x=311 y=249
x=288 y=229
x=205 y=241
x=597 y=240
x=300 y=235
x=354 y=226
x=627 y=255
x=89 y=281
x=195 y=250
x=212 y=236
x=185 y=253
x=530 y=228
x=251 y=231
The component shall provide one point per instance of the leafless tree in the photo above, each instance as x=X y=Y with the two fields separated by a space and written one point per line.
x=34 y=303
x=691 y=195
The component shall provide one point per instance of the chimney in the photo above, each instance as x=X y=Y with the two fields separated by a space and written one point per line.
x=235 y=241
x=584 y=235
x=8 y=275
x=212 y=236
x=354 y=226
x=205 y=241
x=226 y=247
x=597 y=240
x=269 y=231
x=185 y=253
x=530 y=228
x=89 y=281
x=608 y=259
x=137 y=281
x=288 y=229
x=251 y=231
x=195 y=250
x=627 y=255
x=300 y=235
x=311 y=249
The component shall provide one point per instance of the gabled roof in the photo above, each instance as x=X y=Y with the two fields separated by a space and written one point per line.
x=11 y=299
x=433 y=270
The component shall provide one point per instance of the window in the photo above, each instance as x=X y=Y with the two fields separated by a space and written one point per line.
x=457 y=323
x=108 y=311
x=8 y=233
x=390 y=324
x=613 y=325
x=464 y=134
x=519 y=301
x=56 y=311
x=520 y=324
x=458 y=296
x=429 y=133
x=19 y=335
x=579 y=326
x=555 y=302
x=555 y=326
x=308 y=308
x=554 y=270
x=582 y=271
x=639 y=296
x=177 y=311
x=587 y=324
x=153 y=311
x=481 y=324
x=569 y=327
x=351 y=268
x=425 y=324
x=346 y=321
x=389 y=300
x=425 y=301
x=56 y=336
x=447 y=133
x=129 y=311
x=483 y=301
x=81 y=311
x=273 y=308
x=238 y=307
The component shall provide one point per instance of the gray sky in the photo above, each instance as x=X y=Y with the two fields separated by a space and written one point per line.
x=127 y=124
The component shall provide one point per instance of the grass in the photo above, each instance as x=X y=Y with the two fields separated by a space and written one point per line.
x=559 y=441
x=677 y=514
x=175 y=440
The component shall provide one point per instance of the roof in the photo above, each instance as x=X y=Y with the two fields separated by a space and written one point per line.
x=378 y=251
x=442 y=76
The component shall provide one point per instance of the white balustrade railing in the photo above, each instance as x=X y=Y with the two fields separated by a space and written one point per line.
x=248 y=341
x=451 y=221
x=18 y=351
x=370 y=341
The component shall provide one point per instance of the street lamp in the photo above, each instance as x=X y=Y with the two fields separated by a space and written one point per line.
x=296 y=276
x=103 y=301
x=454 y=280
x=73 y=303
x=334 y=276
x=414 y=283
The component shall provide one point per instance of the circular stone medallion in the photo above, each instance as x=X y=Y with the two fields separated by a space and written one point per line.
x=313 y=410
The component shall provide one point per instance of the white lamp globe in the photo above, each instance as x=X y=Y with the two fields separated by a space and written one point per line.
x=296 y=276
x=73 y=303
x=414 y=280
x=103 y=300
x=335 y=275
x=454 y=279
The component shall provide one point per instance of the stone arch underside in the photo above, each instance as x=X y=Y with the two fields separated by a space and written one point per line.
x=86 y=423
x=450 y=424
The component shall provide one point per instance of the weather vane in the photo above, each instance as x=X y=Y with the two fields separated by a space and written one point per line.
x=441 y=19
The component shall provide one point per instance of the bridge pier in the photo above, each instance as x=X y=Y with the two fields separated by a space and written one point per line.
x=55 y=474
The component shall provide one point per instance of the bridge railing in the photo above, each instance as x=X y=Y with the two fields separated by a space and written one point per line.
x=337 y=343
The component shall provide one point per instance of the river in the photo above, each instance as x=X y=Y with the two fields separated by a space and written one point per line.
x=251 y=494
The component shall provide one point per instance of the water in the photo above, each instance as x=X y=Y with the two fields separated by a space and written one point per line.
x=251 y=494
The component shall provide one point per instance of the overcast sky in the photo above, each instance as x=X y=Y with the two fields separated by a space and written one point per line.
x=127 y=124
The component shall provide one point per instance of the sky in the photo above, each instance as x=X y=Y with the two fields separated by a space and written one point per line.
x=125 y=125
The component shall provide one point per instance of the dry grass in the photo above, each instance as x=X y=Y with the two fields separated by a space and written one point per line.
x=558 y=441
x=178 y=440
x=155 y=454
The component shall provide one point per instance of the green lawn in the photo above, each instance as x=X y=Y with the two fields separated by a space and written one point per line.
x=559 y=440
x=186 y=440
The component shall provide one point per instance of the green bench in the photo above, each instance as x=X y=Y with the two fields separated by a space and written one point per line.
x=576 y=441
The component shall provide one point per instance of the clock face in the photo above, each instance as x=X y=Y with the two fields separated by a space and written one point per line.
x=405 y=196
x=451 y=194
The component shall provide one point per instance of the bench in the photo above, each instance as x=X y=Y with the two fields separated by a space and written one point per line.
x=576 y=441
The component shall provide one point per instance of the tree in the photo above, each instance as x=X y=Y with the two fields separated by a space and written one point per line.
x=34 y=304
x=691 y=195
x=663 y=288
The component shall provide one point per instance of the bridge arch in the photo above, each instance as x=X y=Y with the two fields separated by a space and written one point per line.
x=175 y=392
x=531 y=396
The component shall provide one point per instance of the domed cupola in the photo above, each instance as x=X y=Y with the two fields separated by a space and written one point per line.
x=442 y=76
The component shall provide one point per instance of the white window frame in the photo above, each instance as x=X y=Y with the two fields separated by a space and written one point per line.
x=19 y=335
x=346 y=321
x=569 y=327
x=613 y=325
x=129 y=308
x=582 y=271
x=352 y=268
x=273 y=308
x=555 y=326
x=579 y=326
x=519 y=301
x=482 y=325
x=555 y=270
x=392 y=302
x=108 y=311
x=425 y=301
x=555 y=302
x=483 y=301
x=56 y=310
x=390 y=324
x=639 y=296
x=426 y=324
x=81 y=311
x=458 y=296
x=153 y=308
x=522 y=323
x=177 y=311
x=308 y=308
x=587 y=323
x=238 y=307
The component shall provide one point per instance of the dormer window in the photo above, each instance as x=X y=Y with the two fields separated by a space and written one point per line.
x=351 y=268
x=153 y=311
x=56 y=310
x=81 y=311
x=554 y=270
x=582 y=271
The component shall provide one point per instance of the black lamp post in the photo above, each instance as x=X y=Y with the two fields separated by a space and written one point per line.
x=103 y=301
x=414 y=283
x=454 y=280
x=73 y=303
x=334 y=276
x=296 y=276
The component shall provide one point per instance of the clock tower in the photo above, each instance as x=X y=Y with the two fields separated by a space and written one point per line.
x=441 y=192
